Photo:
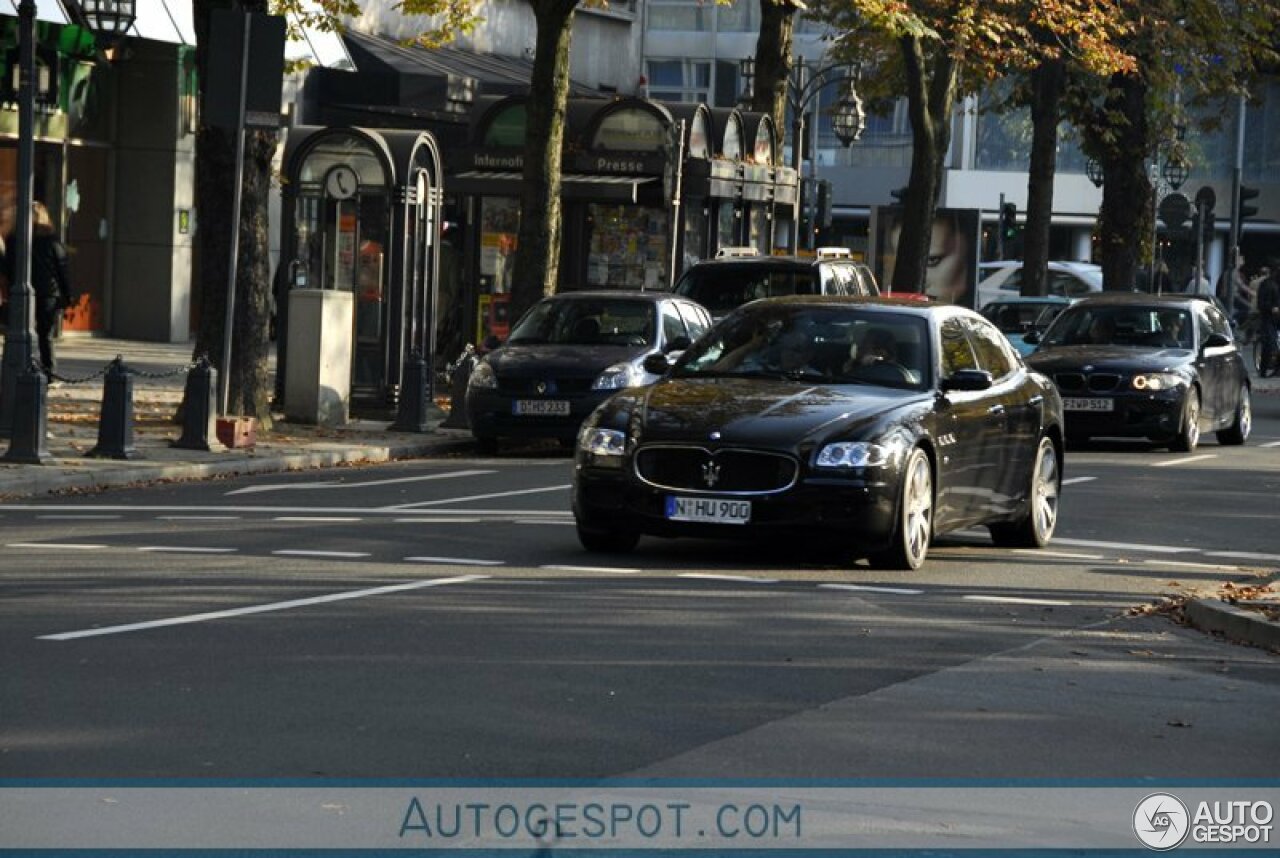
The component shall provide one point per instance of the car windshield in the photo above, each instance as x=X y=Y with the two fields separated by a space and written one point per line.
x=827 y=345
x=722 y=288
x=1019 y=318
x=587 y=322
x=1136 y=326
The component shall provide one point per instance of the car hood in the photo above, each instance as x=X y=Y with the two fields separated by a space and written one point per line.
x=760 y=412
x=1108 y=358
x=560 y=360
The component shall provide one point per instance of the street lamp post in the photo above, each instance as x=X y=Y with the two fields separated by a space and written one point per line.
x=23 y=406
x=848 y=117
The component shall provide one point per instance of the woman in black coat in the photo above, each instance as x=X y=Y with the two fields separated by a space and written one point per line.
x=50 y=282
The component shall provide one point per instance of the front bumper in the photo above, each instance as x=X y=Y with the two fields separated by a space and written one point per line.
x=1133 y=415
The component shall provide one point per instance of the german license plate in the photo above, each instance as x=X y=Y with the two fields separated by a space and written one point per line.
x=540 y=408
x=714 y=510
x=1098 y=403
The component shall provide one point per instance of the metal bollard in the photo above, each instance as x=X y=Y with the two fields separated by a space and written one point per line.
x=200 y=409
x=115 y=424
x=28 y=440
x=415 y=409
x=458 y=390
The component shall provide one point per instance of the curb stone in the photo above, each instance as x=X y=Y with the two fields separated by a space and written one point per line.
x=1238 y=624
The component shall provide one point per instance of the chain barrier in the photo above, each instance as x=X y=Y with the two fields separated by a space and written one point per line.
x=119 y=360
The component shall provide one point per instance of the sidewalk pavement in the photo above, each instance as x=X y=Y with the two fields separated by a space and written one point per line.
x=75 y=407
x=159 y=377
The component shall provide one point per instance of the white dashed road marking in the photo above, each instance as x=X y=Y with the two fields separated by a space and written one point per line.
x=1075 y=480
x=468 y=498
x=302 y=552
x=1124 y=546
x=608 y=570
x=454 y=561
x=1066 y=555
x=332 y=519
x=1244 y=555
x=186 y=549
x=1184 y=461
x=895 y=591
x=1019 y=600
x=329 y=484
x=79 y=517
x=70 y=546
x=260 y=609
x=745 y=579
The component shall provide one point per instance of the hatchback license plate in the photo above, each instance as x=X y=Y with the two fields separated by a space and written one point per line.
x=540 y=408
x=1071 y=403
x=714 y=510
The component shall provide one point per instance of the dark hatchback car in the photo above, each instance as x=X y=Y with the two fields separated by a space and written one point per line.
x=724 y=284
x=871 y=423
x=569 y=353
x=1162 y=367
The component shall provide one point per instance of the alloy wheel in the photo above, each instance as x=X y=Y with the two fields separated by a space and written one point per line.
x=917 y=509
x=1044 y=492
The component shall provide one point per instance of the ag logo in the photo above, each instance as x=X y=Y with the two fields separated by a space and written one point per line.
x=1161 y=821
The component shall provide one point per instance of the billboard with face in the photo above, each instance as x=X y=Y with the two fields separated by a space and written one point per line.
x=951 y=270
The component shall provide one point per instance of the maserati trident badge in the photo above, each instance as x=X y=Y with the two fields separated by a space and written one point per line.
x=711 y=474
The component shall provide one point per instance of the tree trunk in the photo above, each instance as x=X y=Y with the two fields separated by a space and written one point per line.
x=249 y=383
x=1048 y=81
x=930 y=96
x=773 y=62
x=537 y=258
x=1125 y=220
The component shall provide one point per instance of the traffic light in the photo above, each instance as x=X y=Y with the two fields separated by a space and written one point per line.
x=1247 y=211
x=1009 y=221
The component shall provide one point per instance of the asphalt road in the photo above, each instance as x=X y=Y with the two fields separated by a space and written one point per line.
x=438 y=619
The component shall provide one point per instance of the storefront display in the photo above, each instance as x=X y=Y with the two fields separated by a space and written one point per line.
x=628 y=246
x=499 y=229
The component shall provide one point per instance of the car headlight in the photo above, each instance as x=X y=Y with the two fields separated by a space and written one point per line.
x=1155 y=381
x=858 y=454
x=483 y=377
x=618 y=376
x=602 y=443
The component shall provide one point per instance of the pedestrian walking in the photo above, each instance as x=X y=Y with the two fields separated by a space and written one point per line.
x=1269 y=315
x=50 y=281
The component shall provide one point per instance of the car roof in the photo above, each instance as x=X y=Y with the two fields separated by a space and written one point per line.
x=797 y=262
x=651 y=295
x=878 y=303
x=1029 y=299
x=1138 y=299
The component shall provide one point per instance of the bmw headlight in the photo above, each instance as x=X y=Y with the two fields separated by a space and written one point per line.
x=619 y=376
x=482 y=377
x=858 y=454
x=1155 y=381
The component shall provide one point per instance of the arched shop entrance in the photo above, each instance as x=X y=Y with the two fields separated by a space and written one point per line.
x=362 y=213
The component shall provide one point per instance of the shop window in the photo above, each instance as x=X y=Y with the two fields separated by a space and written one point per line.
x=507 y=128
x=680 y=15
x=627 y=246
x=738 y=18
x=631 y=130
x=695 y=234
x=687 y=81
x=499 y=231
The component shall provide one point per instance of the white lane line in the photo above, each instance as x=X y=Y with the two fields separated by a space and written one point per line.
x=71 y=546
x=329 y=484
x=864 y=588
x=1243 y=555
x=454 y=561
x=336 y=519
x=1068 y=555
x=198 y=517
x=542 y=521
x=1270 y=444
x=1183 y=564
x=79 y=517
x=409 y=506
x=261 y=609
x=1074 y=480
x=1124 y=546
x=186 y=549
x=1018 y=600
x=1184 y=460
x=438 y=520
x=608 y=570
x=303 y=552
x=745 y=579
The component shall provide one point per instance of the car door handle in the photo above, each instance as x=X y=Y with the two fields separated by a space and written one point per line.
x=996 y=410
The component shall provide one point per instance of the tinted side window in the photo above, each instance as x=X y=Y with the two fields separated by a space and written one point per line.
x=694 y=320
x=672 y=325
x=957 y=354
x=992 y=349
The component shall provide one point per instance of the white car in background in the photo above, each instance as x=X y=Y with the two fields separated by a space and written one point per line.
x=1068 y=279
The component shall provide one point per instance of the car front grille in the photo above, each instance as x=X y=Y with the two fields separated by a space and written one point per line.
x=1078 y=382
x=723 y=471
x=550 y=386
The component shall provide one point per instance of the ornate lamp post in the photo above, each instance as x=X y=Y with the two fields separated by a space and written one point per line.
x=110 y=18
x=1093 y=170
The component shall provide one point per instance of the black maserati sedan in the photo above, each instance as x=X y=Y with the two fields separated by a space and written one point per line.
x=568 y=354
x=868 y=423
x=1161 y=367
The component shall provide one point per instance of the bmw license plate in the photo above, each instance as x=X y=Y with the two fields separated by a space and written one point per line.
x=540 y=408
x=1075 y=403
x=713 y=510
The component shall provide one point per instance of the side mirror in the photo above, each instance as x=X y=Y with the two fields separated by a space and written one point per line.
x=967 y=379
x=1031 y=338
x=1217 y=341
x=656 y=364
x=678 y=344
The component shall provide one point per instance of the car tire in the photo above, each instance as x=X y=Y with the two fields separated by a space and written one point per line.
x=1188 y=436
x=608 y=541
x=1035 y=529
x=486 y=445
x=1238 y=432
x=913 y=526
